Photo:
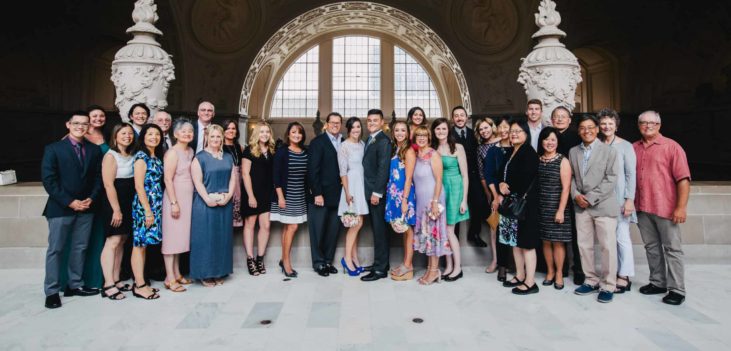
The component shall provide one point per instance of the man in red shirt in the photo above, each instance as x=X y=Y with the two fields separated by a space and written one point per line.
x=663 y=185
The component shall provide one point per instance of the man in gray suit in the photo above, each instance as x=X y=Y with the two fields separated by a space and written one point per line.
x=594 y=168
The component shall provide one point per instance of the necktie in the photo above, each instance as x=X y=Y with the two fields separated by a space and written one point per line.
x=205 y=137
x=167 y=142
x=464 y=135
x=79 y=155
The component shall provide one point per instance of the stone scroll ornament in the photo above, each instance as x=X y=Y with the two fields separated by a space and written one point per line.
x=142 y=70
x=550 y=72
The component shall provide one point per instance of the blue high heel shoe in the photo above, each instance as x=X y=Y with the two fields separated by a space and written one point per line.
x=353 y=273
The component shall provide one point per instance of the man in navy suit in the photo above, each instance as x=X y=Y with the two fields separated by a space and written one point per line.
x=71 y=173
x=323 y=180
x=376 y=161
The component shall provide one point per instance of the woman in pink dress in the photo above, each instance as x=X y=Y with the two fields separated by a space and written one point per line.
x=177 y=204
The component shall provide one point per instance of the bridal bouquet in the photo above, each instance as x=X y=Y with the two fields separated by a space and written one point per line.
x=350 y=218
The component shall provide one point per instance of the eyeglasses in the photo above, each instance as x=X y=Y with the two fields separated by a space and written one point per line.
x=586 y=129
x=421 y=135
x=648 y=124
x=80 y=124
x=516 y=132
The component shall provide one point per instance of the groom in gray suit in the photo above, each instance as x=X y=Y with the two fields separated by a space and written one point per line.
x=594 y=168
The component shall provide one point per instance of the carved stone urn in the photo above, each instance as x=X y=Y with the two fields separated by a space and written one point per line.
x=550 y=72
x=142 y=70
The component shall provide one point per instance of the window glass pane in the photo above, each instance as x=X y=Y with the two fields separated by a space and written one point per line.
x=356 y=75
x=413 y=86
x=296 y=94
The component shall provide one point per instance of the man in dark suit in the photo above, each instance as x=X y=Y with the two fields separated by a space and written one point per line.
x=475 y=195
x=206 y=112
x=376 y=159
x=71 y=173
x=323 y=180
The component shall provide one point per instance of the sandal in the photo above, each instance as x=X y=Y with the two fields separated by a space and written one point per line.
x=184 y=280
x=125 y=287
x=260 y=265
x=115 y=296
x=152 y=296
x=251 y=266
x=437 y=278
x=175 y=287
x=219 y=281
x=208 y=283
x=402 y=273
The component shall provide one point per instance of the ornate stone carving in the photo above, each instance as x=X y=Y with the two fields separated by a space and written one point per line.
x=142 y=70
x=485 y=26
x=225 y=26
x=550 y=72
x=354 y=15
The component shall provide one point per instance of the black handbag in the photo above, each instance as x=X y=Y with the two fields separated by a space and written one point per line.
x=514 y=206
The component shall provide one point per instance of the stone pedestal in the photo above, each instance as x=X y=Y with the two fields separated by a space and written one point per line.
x=550 y=72
x=142 y=70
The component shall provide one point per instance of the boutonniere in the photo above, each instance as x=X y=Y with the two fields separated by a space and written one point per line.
x=373 y=140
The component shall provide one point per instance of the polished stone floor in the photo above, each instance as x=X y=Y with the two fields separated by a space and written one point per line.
x=343 y=313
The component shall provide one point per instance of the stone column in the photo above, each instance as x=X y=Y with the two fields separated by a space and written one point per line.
x=142 y=70
x=550 y=72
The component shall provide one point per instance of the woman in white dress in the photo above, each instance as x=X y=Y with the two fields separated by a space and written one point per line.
x=352 y=198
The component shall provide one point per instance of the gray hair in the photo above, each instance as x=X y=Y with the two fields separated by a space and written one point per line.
x=648 y=112
x=161 y=113
x=180 y=123
x=608 y=113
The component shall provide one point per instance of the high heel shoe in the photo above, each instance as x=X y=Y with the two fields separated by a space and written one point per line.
x=293 y=274
x=437 y=278
x=251 y=266
x=501 y=274
x=622 y=289
x=152 y=296
x=353 y=273
x=260 y=265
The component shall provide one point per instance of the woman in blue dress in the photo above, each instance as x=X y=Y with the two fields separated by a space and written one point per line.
x=211 y=233
x=147 y=205
x=401 y=187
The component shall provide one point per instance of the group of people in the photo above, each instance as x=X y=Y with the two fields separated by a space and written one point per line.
x=186 y=184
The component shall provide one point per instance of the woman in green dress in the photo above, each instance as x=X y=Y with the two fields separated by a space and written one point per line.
x=456 y=182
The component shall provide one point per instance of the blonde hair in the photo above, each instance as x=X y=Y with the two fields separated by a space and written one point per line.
x=254 y=139
x=211 y=129
x=490 y=122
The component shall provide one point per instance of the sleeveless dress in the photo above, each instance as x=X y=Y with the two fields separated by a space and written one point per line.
x=395 y=191
x=350 y=162
x=549 y=177
x=262 y=184
x=430 y=236
x=124 y=185
x=177 y=230
x=143 y=236
x=211 y=233
x=453 y=188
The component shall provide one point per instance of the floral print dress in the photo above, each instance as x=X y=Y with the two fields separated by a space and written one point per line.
x=395 y=193
x=143 y=236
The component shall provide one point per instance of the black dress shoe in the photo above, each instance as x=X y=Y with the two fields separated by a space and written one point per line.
x=650 y=289
x=476 y=241
x=451 y=279
x=82 y=291
x=512 y=283
x=373 y=276
x=579 y=278
x=322 y=271
x=53 y=301
x=531 y=289
x=673 y=298
x=331 y=269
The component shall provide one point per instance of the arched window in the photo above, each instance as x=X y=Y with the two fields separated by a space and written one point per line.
x=356 y=75
x=413 y=86
x=296 y=94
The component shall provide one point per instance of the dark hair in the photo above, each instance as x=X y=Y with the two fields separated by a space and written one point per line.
x=545 y=133
x=331 y=114
x=394 y=144
x=375 y=111
x=113 y=137
x=351 y=122
x=78 y=113
x=410 y=116
x=95 y=107
x=588 y=117
x=144 y=107
x=608 y=113
x=140 y=142
x=535 y=102
x=459 y=107
x=302 y=130
x=501 y=119
x=523 y=125
x=238 y=133
x=450 y=137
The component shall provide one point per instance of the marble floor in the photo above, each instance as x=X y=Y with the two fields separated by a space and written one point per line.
x=343 y=313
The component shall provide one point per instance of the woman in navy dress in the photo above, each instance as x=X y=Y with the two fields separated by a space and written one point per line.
x=211 y=233
x=147 y=205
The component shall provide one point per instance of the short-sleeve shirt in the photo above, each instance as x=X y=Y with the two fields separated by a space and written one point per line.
x=660 y=165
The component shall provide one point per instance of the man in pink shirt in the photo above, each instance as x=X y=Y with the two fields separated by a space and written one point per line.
x=663 y=185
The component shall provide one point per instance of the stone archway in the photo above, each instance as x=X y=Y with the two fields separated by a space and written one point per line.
x=365 y=17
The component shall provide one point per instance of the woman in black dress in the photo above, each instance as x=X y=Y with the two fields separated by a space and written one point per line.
x=519 y=174
x=256 y=169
